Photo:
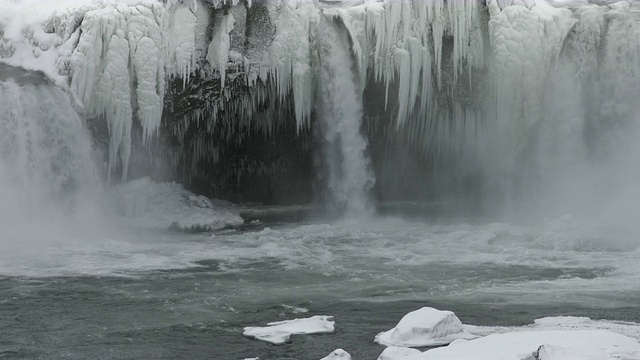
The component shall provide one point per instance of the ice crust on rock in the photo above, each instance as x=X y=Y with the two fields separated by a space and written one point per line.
x=563 y=323
x=146 y=204
x=532 y=345
x=424 y=327
x=337 y=354
x=397 y=353
x=280 y=332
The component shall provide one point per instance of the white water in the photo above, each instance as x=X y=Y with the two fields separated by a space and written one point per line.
x=340 y=112
x=565 y=261
x=47 y=174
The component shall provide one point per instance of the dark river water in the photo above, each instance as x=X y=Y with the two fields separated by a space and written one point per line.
x=161 y=295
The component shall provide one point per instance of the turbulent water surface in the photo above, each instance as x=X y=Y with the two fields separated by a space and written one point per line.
x=151 y=294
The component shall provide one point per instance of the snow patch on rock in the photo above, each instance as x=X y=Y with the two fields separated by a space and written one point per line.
x=532 y=345
x=397 y=353
x=338 y=354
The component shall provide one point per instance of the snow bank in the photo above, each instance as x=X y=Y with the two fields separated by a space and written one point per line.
x=338 y=354
x=280 y=332
x=530 y=345
x=563 y=323
x=566 y=338
x=424 y=327
x=146 y=204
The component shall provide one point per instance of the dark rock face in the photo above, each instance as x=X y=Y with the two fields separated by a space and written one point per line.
x=231 y=144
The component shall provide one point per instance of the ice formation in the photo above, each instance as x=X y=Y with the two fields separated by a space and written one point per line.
x=119 y=66
x=424 y=327
x=218 y=55
x=290 y=55
x=280 y=332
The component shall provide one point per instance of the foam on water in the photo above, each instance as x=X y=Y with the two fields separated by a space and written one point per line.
x=380 y=260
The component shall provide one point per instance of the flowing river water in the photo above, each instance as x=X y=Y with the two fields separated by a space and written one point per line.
x=156 y=294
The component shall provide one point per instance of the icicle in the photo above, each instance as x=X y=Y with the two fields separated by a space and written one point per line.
x=182 y=38
x=113 y=99
x=436 y=16
x=218 y=55
x=416 y=51
x=463 y=15
x=290 y=57
x=403 y=66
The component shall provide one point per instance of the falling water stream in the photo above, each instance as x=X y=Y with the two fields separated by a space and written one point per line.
x=47 y=172
x=340 y=110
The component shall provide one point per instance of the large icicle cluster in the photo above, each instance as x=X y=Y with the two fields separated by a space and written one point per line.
x=290 y=55
x=119 y=67
x=403 y=41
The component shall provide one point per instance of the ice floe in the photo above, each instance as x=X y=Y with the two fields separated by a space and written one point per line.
x=280 y=332
x=425 y=327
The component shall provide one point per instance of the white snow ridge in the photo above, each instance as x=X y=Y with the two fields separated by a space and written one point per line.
x=337 y=354
x=280 y=332
x=396 y=353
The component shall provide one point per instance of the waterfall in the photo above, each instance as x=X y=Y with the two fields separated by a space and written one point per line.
x=46 y=167
x=339 y=108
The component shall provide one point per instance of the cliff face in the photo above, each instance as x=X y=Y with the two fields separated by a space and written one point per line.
x=461 y=97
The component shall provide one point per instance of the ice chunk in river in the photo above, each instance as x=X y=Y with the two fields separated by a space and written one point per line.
x=424 y=327
x=338 y=354
x=280 y=332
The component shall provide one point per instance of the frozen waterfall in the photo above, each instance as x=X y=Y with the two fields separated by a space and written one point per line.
x=498 y=103
x=339 y=108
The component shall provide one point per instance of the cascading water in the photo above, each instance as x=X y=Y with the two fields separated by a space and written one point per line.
x=47 y=172
x=349 y=177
